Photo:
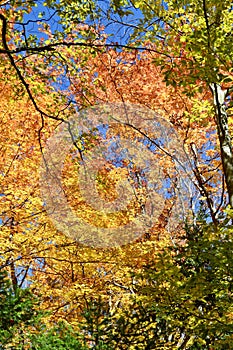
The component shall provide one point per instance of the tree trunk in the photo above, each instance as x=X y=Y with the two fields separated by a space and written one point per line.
x=224 y=137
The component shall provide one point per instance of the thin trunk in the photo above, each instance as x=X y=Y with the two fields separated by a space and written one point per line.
x=224 y=137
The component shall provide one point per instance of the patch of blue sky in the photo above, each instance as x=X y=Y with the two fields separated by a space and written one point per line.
x=103 y=129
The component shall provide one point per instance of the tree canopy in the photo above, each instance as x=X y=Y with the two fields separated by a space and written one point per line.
x=120 y=111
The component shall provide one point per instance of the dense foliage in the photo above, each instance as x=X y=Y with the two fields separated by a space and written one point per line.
x=165 y=69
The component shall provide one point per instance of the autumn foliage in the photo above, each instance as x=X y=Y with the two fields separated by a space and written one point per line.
x=169 y=285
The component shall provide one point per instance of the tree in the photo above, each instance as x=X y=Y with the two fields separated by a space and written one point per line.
x=194 y=42
x=182 y=299
x=19 y=314
x=21 y=322
x=133 y=77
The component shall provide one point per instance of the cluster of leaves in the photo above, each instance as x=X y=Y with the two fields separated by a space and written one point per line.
x=17 y=310
x=190 y=291
x=184 y=300
x=21 y=322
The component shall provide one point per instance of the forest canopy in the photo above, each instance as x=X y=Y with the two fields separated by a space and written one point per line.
x=116 y=171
